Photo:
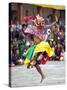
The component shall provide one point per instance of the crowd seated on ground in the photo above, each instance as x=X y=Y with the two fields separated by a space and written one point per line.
x=20 y=41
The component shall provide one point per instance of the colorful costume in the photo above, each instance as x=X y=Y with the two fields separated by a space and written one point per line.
x=42 y=46
x=32 y=52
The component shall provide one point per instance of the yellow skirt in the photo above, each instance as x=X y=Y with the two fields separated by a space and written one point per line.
x=44 y=46
x=41 y=47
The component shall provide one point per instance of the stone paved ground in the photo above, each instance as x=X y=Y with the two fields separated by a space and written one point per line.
x=54 y=71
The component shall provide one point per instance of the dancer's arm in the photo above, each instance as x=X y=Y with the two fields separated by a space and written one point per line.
x=48 y=26
x=29 y=30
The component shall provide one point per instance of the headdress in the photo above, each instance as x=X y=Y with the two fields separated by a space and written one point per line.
x=39 y=21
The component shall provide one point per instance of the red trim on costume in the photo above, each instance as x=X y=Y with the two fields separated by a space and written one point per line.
x=43 y=61
x=27 y=18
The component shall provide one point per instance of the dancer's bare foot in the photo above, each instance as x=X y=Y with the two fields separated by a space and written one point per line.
x=42 y=78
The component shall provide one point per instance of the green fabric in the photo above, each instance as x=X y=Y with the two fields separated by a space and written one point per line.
x=51 y=36
x=30 y=51
x=21 y=46
x=34 y=56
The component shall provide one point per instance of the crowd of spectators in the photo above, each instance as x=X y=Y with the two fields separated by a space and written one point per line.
x=20 y=41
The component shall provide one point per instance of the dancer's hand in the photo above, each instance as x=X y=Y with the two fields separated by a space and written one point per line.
x=53 y=23
x=33 y=62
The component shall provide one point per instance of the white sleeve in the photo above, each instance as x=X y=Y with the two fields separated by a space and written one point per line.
x=46 y=36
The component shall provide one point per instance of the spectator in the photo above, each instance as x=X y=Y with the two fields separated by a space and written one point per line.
x=58 y=50
x=62 y=55
x=61 y=21
x=15 y=52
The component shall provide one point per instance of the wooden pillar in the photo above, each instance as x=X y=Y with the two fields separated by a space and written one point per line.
x=39 y=11
x=20 y=12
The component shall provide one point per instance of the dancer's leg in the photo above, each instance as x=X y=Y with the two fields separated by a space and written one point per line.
x=40 y=71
